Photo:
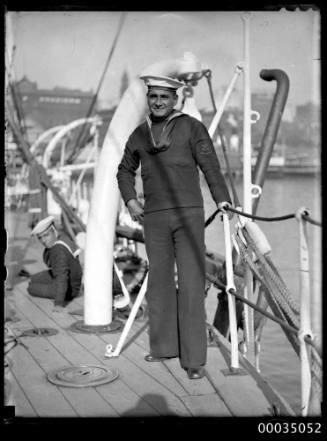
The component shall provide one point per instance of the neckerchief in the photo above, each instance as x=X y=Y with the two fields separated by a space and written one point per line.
x=166 y=134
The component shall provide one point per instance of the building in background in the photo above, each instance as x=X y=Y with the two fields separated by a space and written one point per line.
x=42 y=109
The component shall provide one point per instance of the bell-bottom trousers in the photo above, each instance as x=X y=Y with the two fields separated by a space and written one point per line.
x=177 y=325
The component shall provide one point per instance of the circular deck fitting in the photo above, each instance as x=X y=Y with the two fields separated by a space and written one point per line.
x=39 y=332
x=82 y=376
x=80 y=326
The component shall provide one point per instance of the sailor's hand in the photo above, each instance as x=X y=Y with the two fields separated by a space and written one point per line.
x=135 y=210
x=223 y=207
x=58 y=308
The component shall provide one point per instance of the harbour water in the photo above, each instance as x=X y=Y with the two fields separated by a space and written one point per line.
x=284 y=195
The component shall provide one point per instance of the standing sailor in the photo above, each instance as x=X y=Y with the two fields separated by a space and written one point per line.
x=62 y=281
x=170 y=146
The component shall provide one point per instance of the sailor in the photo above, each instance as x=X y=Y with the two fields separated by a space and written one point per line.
x=170 y=146
x=62 y=281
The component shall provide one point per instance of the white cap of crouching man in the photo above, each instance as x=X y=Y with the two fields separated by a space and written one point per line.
x=42 y=226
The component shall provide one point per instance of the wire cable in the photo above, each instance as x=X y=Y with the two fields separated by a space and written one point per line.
x=95 y=96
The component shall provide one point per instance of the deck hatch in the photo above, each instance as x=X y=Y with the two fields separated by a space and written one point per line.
x=39 y=332
x=82 y=376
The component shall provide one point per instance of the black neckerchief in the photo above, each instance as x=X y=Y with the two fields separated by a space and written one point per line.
x=166 y=134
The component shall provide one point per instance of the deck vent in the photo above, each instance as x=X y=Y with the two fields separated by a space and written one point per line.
x=80 y=326
x=82 y=376
x=39 y=332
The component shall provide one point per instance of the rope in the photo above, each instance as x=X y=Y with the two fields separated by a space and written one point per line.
x=272 y=272
x=269 y=290
x=312 y=221
x=267 y=219
x=279 y=290
x=285 y=325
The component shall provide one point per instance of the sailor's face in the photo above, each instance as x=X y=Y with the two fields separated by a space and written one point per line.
x=48 y=237
x=161 y=101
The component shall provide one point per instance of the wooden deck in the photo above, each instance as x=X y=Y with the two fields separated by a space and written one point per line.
x=142 y=389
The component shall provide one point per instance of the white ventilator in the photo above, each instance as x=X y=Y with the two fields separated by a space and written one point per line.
x=105 y=198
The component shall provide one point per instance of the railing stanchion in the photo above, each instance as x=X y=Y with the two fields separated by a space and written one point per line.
x=305 y=321
x=230 y=288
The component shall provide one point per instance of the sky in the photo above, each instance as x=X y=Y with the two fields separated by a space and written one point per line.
x=70 y=49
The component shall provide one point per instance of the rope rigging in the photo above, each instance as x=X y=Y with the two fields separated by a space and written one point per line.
x=95 y=96
x=261 y=218
x=207 y=75
x=287 y=312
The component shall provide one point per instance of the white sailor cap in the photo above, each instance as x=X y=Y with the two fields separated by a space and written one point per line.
x=42 y=226
x=161 y=81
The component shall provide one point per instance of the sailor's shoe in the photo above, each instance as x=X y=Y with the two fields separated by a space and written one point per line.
x=195 y=373
x=152 y=358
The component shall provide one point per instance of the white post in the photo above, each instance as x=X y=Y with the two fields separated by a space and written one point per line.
x=231 y=300
x=109 y=349
x=247 y=179
x=221 y=108
x=305 y=322
x=316 y=296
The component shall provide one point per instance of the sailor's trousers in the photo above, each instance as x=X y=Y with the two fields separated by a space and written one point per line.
x=43 y=285
x=177 y=325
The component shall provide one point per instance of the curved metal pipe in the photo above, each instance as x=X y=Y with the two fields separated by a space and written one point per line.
x=61 y=133
x=273 y=123
x=44 y=136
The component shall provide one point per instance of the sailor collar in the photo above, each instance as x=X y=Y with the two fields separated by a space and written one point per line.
x=166 y=133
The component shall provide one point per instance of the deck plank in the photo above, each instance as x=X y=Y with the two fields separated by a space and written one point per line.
x=156 y=370
x=47 y=400
x=40 y=310
x=240 y=393
x=85 y=401
x=158 y=396
x=18 y=398
x=198 y=387
x=206 y=406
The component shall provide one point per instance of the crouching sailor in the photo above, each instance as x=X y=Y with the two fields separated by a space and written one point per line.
x=62 y=281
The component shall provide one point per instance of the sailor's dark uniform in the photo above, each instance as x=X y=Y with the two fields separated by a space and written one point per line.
x=62 y=281
x=174 y=228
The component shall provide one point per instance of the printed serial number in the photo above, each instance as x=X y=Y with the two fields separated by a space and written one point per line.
x=289 y=427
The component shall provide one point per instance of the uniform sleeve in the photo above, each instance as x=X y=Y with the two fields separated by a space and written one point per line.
x=126 y=172
x=59 y=264
x=206 y=158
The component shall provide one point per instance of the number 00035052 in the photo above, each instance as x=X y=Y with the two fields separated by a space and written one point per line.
x=287 y=427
